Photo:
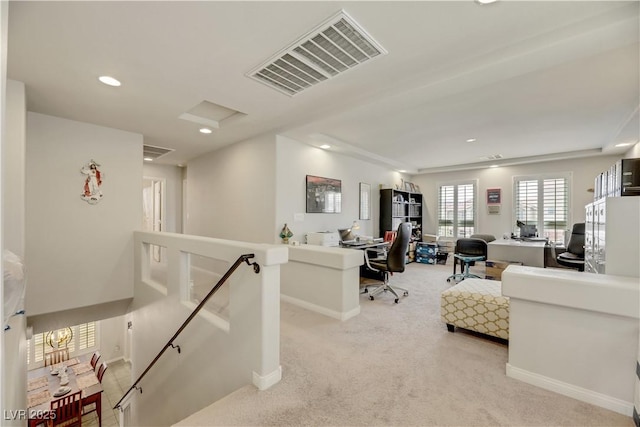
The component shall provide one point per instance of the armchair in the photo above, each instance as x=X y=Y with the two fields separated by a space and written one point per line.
x=467 y=252
x=574 y=255
x=486 y=237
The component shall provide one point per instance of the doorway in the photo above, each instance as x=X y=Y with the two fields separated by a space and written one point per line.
x=153 y=209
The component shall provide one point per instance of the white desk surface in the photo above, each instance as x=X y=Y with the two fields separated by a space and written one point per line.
x=527 y=252
x=518 y=243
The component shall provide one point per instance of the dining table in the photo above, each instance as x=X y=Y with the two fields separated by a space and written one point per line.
x=44 y=386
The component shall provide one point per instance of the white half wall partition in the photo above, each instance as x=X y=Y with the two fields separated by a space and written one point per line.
x=323 y=279
x=574 y=333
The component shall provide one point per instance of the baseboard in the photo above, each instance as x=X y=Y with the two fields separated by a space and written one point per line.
x=340 y=315
x=264 y=382
x=585 y=395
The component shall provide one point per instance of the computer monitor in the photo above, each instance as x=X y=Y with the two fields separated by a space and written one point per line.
x=346 y=235
x=527 y=230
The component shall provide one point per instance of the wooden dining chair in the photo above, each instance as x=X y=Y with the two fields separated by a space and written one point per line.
x=56 y=356
x=94 y=359
x=101 y=371
x=67 y=410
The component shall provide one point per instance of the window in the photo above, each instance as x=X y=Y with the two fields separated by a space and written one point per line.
x=543 y=201
x=457 y=209
x=82 y=340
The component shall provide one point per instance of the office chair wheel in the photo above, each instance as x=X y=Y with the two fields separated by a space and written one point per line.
x=371 y=297
x=406 y=293
x=397 y=299
x=449 y=280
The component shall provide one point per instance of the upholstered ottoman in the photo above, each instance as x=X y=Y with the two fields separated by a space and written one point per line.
x=477 y=305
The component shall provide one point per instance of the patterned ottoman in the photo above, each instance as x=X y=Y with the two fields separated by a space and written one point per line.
x=477 y=305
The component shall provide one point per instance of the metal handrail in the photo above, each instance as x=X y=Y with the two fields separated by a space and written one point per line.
x=236 y=264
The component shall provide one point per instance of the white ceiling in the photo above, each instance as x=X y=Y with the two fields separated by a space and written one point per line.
x=539 y=79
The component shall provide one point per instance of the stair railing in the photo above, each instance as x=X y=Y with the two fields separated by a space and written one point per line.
x=223 y=279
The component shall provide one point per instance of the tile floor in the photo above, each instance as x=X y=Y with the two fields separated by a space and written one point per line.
x=116 y=381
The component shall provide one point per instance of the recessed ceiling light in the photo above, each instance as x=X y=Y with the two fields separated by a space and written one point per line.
x=148 y=159
x=493 y=166
x=205 y=130
x=471 y=140
x=108 y=80
x=485 y=1
x=624 y=144
x=401 y=170
x=325 y=146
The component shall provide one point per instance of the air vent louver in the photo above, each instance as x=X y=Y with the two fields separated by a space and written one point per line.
x=151 y=152
x=333 y=47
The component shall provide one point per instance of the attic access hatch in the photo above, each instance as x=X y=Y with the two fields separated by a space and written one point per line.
x=333 y=47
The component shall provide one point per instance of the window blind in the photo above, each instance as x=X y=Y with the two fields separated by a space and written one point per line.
x=445 y=211
x=544 y=203
x=456 y=210
x=466 y=210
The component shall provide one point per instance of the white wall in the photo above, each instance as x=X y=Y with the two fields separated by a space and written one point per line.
x=79 y=254
x=13 y=365
x=295 y=160
x=173 y=190
x=112 y=338
x=634 y=152
x=231 y=192
x=13 y=168
x=583 y=171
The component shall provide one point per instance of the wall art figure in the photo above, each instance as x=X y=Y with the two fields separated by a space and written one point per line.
x=92 y=193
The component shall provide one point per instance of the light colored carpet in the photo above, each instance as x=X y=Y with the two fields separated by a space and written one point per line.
x=396 y=365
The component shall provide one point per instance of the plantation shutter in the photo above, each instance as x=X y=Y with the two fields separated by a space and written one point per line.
x=544 y=202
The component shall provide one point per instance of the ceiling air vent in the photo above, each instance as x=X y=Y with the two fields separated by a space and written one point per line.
x=149 y=152
x=333 y=47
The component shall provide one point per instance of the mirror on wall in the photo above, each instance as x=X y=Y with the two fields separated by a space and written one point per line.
x=365 y=201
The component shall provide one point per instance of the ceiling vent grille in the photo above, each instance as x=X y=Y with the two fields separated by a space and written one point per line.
x=332 y=48
x=150 y=152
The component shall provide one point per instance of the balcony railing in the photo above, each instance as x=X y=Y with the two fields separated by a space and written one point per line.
x=215 y=355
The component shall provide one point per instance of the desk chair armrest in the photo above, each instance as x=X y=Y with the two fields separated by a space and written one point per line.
x=368 y=260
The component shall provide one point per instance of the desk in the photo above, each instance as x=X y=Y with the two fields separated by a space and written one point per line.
x=41 y=385
x=365 y=272
x=365 y=245
x=528 y=253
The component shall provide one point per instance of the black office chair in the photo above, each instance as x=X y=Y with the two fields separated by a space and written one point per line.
x=574 y=256
x=393 y=263
x=467 y=252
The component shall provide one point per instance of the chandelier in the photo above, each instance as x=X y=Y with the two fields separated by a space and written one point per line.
x=59 y=338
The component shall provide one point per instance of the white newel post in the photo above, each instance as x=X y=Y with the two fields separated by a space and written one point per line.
x=256 y=302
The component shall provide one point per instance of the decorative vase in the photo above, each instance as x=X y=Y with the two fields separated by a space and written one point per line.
x=285 y=234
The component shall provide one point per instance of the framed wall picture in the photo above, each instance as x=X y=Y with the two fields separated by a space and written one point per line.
x=494 y=196
x=324 y=195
